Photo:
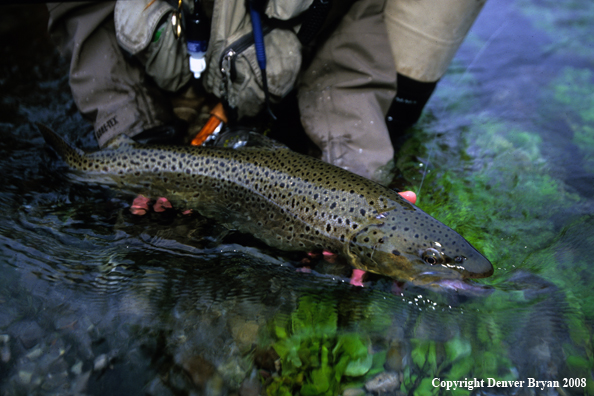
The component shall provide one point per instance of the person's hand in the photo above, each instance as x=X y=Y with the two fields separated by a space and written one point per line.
x=409 y=196
x=140 y=205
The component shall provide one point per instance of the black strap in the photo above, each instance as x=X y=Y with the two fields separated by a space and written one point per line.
x=313 y=19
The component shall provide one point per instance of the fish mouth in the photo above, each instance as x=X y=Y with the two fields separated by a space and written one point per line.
x=436 y=275
x=460 y=285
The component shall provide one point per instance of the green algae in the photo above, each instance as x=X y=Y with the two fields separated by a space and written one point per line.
x=318 y=358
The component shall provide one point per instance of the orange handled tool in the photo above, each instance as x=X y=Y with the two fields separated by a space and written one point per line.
x=217 y=117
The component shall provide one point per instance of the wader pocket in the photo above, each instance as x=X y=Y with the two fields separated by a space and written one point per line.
x=239 y=78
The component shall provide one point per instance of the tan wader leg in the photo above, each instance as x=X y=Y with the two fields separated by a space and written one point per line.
x=425 y=34
x=347 y=90
x=108 y=90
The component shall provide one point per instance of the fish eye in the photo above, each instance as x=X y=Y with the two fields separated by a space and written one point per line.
x=432 y=257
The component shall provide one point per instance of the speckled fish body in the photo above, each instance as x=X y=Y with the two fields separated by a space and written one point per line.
x=289 y=201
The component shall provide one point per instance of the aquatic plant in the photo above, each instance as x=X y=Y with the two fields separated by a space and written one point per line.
x=317 y=358
x=454 y=360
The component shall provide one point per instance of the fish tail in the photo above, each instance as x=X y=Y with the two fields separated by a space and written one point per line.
x=68 y=153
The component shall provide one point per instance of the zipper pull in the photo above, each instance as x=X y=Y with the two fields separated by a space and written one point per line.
x=176 y=20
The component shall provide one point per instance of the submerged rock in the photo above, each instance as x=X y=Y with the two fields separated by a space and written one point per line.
x=29 y=333
x=387 y=381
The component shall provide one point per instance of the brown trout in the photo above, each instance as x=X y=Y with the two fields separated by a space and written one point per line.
x=289 y=201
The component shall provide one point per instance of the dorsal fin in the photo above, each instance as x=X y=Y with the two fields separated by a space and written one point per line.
x=239 y=138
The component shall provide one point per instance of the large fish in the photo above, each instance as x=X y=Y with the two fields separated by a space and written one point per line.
x=288 y=200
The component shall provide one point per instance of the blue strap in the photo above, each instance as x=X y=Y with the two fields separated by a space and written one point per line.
x=260 y=50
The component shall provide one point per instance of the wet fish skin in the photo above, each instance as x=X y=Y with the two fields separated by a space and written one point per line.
x=289 y=201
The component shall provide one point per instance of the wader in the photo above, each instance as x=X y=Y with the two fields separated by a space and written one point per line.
x=110 y=86
x=352 y=83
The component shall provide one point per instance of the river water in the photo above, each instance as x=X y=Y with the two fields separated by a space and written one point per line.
x=94 y=300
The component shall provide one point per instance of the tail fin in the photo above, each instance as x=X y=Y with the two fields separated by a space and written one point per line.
x=71 y=155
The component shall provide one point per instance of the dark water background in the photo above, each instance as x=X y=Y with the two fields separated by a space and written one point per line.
x=94 y=300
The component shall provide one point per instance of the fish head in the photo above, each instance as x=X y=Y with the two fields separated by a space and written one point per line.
x=416 y=247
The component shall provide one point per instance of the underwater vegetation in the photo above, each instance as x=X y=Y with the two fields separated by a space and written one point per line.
x=316 y=358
